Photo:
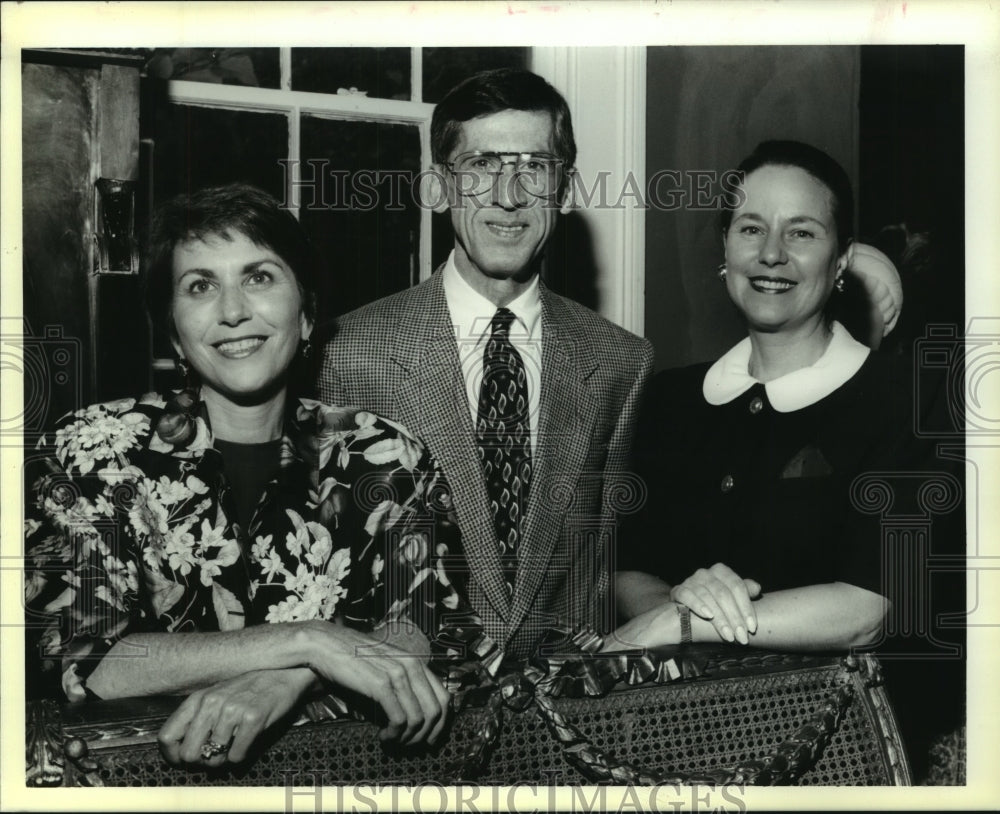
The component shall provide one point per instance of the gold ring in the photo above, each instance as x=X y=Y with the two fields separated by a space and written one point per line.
x=211 y=748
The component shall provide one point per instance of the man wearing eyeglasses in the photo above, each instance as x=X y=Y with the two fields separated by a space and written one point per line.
x=525 y=398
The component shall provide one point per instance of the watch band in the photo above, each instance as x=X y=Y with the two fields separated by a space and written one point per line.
x=685 y=613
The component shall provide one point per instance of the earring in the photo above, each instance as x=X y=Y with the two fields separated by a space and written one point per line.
x=721 y=273
x=305 y=348
x=838 y=283
x=188 y=384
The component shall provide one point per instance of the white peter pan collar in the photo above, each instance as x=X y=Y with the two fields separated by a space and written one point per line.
x=843 y=357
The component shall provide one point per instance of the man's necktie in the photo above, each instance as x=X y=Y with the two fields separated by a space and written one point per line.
x=504 y=437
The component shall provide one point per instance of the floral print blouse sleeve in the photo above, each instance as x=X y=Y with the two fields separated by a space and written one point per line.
x=376 y=503
x=85 y=526
x=127 y=532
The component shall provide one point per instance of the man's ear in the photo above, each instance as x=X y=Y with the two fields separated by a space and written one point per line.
x=434 y=189
x=568 y=198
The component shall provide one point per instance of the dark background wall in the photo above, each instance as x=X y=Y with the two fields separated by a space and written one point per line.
x=59 y=131
x=912 y=177
x=84 y=332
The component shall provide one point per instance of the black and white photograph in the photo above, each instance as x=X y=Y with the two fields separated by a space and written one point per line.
x=499 y=406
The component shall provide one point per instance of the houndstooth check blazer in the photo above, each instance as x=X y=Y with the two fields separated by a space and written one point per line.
x=398 y=357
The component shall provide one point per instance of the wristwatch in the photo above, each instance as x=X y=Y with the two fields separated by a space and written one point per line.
x=685 y=613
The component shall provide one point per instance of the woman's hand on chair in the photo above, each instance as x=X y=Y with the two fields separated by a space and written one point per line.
x=219 y=724
x=414 y=700
x=722 y=597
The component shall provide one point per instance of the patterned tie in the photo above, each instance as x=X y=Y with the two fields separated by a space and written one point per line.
x=504 y=437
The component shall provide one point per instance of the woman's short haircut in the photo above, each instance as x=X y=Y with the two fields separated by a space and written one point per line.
x=494 y=91
x=815 y=162
x=239 y=208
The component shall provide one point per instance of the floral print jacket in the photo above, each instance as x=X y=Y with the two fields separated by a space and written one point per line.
x=128 y=532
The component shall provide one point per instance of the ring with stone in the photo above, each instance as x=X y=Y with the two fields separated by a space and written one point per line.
x=210 y=749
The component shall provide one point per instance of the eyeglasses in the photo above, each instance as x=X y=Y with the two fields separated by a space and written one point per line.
x=538 y=174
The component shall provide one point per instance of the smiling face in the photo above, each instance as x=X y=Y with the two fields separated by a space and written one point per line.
x=781 y=250
x=500 y=233
x=237 y=313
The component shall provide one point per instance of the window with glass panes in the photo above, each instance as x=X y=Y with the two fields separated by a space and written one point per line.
x=336 y=133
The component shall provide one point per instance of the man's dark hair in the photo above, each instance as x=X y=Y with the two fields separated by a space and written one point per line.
x=237 y=208
x=495 y=91
x=815 y=162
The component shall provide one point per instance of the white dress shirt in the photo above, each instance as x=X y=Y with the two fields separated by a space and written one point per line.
x=471 y=314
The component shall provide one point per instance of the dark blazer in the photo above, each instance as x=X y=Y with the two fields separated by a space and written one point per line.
x=786 y=498
x=398 y=357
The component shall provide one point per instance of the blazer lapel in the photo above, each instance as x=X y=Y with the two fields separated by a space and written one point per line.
x=566 y=418
x=426 y=349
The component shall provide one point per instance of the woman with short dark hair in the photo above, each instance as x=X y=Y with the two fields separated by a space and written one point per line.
x=166 y=529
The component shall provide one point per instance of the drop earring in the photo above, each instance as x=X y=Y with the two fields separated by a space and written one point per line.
x=721 y=273
x=838 y=283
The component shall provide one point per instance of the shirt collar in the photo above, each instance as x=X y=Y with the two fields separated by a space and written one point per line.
x=471 y=313
x=843 y=357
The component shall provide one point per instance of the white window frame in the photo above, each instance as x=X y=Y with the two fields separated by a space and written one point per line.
x=293 y=104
